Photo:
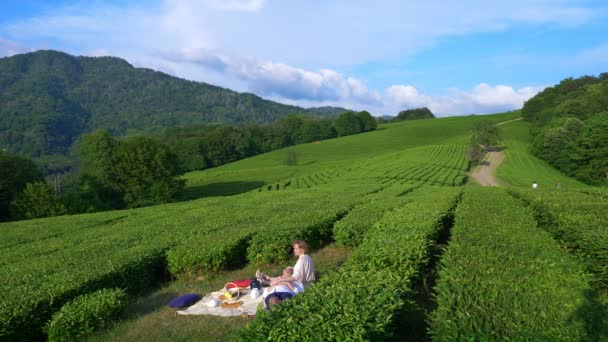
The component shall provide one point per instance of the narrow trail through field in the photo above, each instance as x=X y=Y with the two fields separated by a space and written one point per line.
x=505 y=122
x=484 y=172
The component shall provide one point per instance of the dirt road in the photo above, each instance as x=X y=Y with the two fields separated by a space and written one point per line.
x=484 y=173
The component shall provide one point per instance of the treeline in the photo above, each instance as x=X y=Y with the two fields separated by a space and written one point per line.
x=204 y=146
x=115 y=174
x=411 y=114
x=144 y=170
x=570 y=127
x=49 y=99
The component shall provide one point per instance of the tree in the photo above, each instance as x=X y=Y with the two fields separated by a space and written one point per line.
x=348 y=123
x=15 y=173
x=291 y=158
x=37 y=200
x=485 y=133
x=593 y=151
x=367 y=121
x=145 y=172
x=414 y=114
x=96 y=153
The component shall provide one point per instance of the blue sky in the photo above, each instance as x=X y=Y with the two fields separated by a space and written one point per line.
x=455 y=57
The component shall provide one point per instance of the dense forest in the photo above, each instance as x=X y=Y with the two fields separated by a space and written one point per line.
x=414 y=114
x=570 y=127
x=145 y=170
x=50 y=98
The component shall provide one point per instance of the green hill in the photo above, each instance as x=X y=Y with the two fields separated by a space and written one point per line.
x=394 y=195
x=49 y=98
x=569 y=127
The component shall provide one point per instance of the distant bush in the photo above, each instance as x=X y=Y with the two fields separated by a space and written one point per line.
x=85 y=314
x=37 y=200
x=414 y=114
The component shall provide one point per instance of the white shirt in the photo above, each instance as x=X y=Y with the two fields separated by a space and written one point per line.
x=304 y=270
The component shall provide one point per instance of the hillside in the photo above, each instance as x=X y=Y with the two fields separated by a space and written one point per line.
x=397 y=197
x=569 y=127
x=49 y=98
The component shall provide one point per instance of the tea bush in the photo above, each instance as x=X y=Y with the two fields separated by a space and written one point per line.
x=83 y=315
x=502 y=278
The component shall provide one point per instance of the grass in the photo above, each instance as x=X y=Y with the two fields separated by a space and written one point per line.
x=339 y=153
x=521 y=168
x=412 y=152
x=149 y=317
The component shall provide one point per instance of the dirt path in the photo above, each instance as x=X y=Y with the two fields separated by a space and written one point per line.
x=504 y=122
x=484 y=172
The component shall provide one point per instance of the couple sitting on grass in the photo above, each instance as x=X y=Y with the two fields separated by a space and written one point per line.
x=292 y=281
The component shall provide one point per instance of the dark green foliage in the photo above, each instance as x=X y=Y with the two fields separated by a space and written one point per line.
x=139 y=171
x=85 y=314
x=50 y=98
x=37 y=200
x=593 y=150
x=348 y=123
x=557 y=143
x=414 y=114
x=367 y=121
x=145 y=172
x=485 y=133
x=15 y=173
x=563 y=130
x=201 y=147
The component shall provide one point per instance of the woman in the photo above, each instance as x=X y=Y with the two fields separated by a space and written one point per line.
x=303 y=271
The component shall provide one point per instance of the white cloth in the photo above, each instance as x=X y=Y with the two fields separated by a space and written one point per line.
x=249 y=306
x=298 y=287
x=304 y=270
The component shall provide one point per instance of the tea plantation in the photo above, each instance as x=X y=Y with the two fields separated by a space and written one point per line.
x=507 y=263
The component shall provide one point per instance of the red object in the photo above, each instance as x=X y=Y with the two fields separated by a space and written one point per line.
x=239 y=283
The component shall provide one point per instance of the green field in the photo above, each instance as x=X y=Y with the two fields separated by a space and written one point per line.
x=473 y=263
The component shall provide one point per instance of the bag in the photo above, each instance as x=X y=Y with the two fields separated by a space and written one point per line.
x=183 y=301
x=255 y=284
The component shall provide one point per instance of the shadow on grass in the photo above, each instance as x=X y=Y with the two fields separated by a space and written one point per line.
x=218 y=189
x=152 y=303
x=594 y=313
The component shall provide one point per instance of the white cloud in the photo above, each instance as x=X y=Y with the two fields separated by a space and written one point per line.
x=482 y=99
x=291 y=51
x=406 y=96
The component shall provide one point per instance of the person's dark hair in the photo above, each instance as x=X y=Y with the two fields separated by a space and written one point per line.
x=302 y=244
x=273 y=301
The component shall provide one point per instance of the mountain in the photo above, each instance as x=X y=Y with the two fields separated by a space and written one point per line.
x=49 y=98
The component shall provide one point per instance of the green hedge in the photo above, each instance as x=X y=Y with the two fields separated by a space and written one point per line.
x=85 y=314
x=360 y=300
x=208 y=253
x=502 y=278
x=579 y=221
x=349 y=231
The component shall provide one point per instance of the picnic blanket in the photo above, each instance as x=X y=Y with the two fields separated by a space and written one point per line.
x=249 y=305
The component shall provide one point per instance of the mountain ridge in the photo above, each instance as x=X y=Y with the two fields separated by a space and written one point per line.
x=49 y=98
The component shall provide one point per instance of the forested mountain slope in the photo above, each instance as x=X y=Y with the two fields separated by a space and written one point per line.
x=49 y=98
x=570 y=127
